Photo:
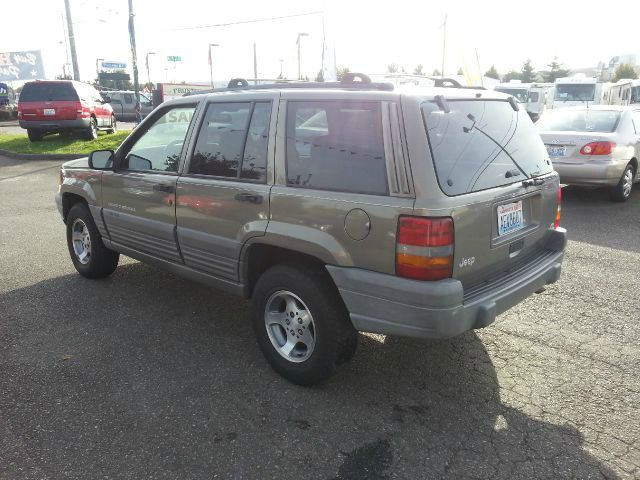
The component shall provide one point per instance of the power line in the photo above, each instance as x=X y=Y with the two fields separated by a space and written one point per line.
x=257 y=20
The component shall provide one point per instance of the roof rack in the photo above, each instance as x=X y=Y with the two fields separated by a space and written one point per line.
x=351 y=81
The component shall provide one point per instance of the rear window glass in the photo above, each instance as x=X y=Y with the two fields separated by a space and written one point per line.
x=42 y=92
x=520 y=93
x=483 y=144
x=563 y=120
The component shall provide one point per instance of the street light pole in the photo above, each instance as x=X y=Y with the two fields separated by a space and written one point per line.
x=211 y=62
x=298 y=43
x=147 y=64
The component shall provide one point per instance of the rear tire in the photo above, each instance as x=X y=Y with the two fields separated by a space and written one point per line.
x=34 y=135
x=622 y=191
x=88 y=254
x=92 y=132
x=114 y=125
x=310 y=308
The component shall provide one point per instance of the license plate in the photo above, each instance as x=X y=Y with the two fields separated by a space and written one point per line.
x=510 y=218
x=49 y=111
x=555 y=151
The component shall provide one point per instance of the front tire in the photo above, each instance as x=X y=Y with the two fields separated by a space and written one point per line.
x=114 y=125
x=89 y=255
x=622 y=191
x=92 y=132
x=301 y=324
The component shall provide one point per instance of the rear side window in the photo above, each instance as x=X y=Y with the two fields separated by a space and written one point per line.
x=44 y=91
x=128 y=98
x=335 y=145
x=483 y=144
x=233 y=141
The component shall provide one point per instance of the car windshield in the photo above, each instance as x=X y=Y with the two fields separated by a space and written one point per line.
x=575 y=92
x=564 y=120
x=481 y=144
x=635 y=95
x=47 y=91
x=521 y=94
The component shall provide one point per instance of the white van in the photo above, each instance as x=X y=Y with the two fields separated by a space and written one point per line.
x=625 y=92
x=575 y=91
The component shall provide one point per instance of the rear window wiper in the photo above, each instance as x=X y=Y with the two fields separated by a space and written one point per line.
x=474 y=126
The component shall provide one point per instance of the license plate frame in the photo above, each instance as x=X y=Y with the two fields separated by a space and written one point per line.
x=510 y=217
x=556 y=151
x=49 y=112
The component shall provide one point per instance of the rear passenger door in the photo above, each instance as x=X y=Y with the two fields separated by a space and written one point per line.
x=223 y=195
x=341 y=178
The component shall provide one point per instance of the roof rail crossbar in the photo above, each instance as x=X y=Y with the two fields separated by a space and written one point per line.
x=351 y=81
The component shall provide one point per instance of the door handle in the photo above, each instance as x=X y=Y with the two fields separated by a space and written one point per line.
x=249 y=197
x=164 y=187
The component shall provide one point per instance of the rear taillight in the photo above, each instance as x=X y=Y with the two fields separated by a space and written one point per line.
x=557 y=223
x=424 y=248
x=81 y=110
x=19 y=111
x=598 y=148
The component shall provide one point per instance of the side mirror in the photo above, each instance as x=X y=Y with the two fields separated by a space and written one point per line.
x=106 y=100
x=101 y=160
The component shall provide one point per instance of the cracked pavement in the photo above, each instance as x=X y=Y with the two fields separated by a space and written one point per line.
x=145 y=375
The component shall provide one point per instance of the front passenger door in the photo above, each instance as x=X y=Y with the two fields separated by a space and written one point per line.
x=139 y=195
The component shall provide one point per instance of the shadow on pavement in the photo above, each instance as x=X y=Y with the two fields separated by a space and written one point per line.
x=591 y=217
x=144 y=375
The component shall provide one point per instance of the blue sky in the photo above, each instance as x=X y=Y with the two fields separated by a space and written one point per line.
x=368 y=36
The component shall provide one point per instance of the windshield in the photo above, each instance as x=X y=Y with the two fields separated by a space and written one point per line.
x=521 y=94
x=46 y=91
x=575 y=92
x=564 y=120
x=483 y=144
x=635 y=94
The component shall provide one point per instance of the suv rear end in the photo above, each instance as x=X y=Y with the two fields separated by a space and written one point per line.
x=483 y=234
x=61 y=106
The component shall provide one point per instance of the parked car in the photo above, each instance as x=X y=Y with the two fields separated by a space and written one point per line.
x=63 y=106
x=124 y=105
x=597 y=146
x=335 y=208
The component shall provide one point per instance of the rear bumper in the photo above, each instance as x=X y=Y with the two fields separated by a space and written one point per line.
x=381 y=303
x=591 y=173
x=55 y=125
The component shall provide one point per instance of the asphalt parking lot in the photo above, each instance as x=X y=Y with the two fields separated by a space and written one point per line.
x=145 y=375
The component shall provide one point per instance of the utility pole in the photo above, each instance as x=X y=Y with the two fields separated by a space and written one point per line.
x=98 y=60
x=444 y=41
x=147 y=63
x=255 y=64
x=298 y=42
x=211 y=62
x=134 y=56
x=72 y=41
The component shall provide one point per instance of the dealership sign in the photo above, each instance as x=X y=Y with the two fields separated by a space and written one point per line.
x=177 y=90
x=114 y=65
x=21 y=65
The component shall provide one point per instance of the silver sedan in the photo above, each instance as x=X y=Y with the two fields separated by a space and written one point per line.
x=598 y=146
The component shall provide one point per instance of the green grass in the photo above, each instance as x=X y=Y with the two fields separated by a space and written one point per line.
x=57 y=144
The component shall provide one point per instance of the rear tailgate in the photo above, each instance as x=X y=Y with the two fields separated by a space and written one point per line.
x=500 y=187
x=56 y=110
x=48 y=101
